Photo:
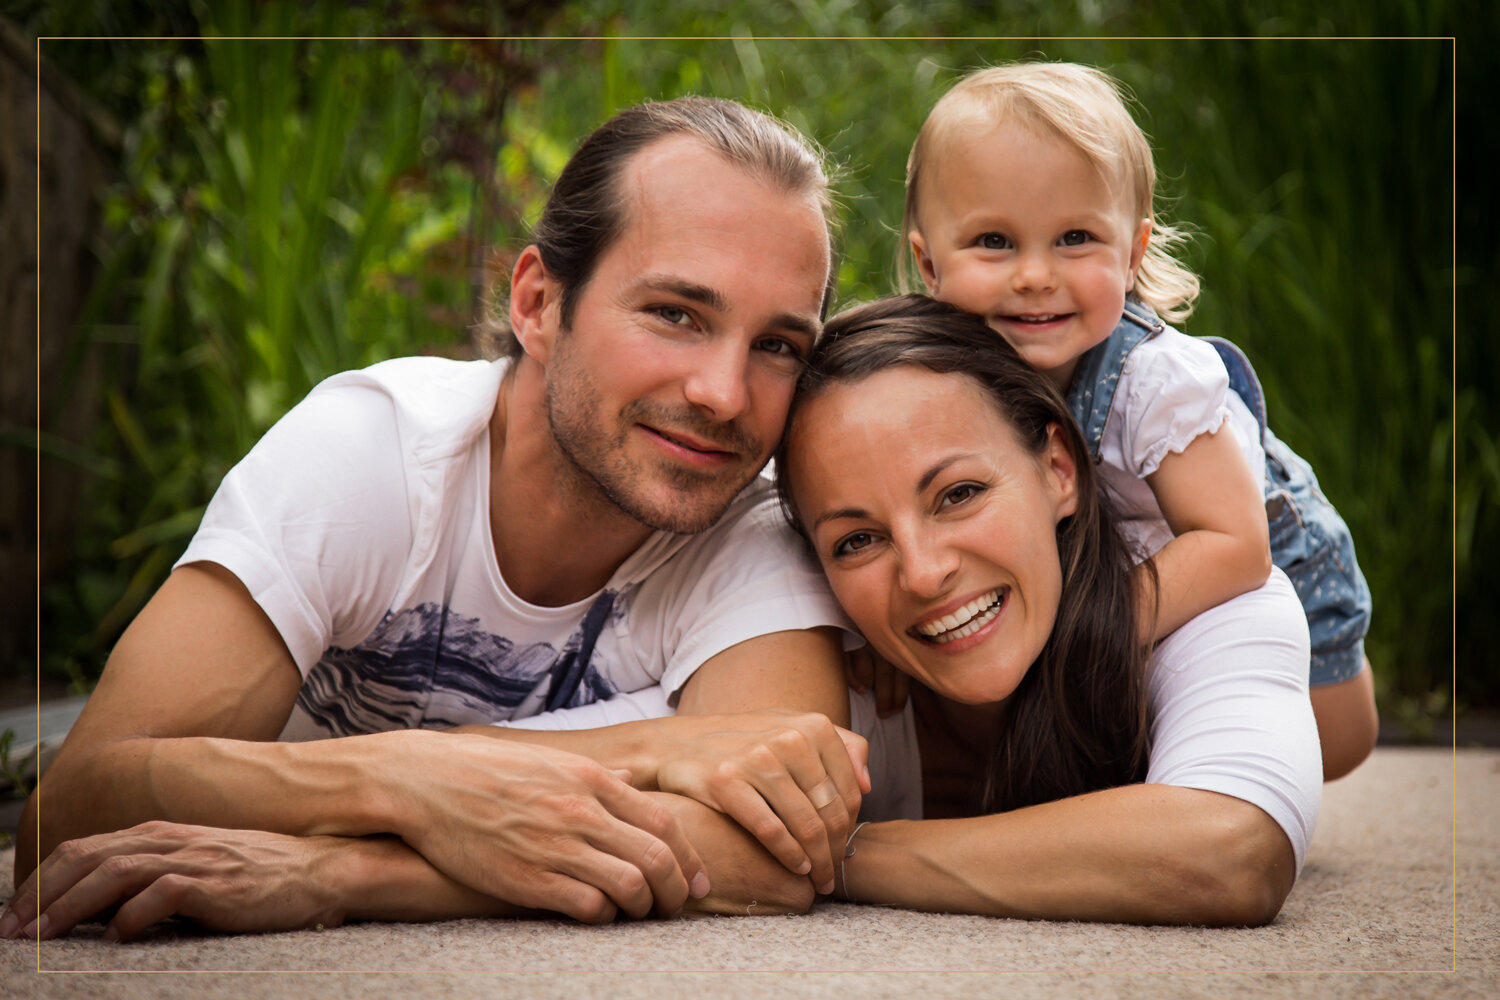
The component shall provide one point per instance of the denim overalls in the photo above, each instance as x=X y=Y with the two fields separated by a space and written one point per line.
x=1309 y=540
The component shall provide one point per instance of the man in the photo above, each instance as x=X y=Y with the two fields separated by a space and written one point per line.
x=432 y=544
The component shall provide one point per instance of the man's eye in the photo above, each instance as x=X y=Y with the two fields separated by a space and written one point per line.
x=994 y=241
x=780 y=347
x=958 y=494
x=673 y=315
x=850 y=544
x=1075 y=238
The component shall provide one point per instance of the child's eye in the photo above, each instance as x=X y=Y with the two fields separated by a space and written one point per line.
x=959 y=494
x=1075 y=238
x=993 y=241
x=852 y=543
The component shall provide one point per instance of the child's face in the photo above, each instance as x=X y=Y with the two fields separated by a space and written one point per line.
x=1020 y=229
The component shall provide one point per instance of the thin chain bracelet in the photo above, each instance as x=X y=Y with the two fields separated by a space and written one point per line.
x=849 y=853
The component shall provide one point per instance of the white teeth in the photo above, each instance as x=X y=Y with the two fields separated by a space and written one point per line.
x=965 y=621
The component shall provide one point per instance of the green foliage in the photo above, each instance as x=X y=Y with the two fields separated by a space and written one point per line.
x=288 y=209
x=17 y=777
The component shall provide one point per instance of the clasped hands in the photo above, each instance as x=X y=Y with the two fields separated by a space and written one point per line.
x=490 y=826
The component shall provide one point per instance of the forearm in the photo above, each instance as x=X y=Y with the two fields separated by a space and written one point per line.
x=380 y=878
x=1137 y=854
x=324 y=787
x=1195 y=571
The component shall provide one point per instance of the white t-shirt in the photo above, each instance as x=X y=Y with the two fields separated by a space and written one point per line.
x=360 y=524
x=1172 y=389
x=1229 y=713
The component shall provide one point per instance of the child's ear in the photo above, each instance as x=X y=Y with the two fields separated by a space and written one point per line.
x=1138 y=251
x=924 y=261
x=1062 y=472
x=534 y=303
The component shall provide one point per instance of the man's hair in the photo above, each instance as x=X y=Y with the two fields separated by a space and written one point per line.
x=587 y=211
x=1085 y=108
x=1077 y=722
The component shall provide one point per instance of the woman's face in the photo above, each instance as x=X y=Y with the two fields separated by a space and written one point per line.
x=935 y=525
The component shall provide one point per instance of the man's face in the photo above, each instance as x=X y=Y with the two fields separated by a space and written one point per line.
x=670 y=389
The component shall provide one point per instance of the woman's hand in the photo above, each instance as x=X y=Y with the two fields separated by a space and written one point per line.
x=227 y=880
x=864 y=668
x=793 y=780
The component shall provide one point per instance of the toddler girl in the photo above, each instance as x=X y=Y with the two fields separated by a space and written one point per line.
x=1029 y=198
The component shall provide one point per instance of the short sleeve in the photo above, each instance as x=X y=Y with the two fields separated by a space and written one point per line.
x=1173 y=389
x=748 y=576
x=314 y=521
x=1230 y=711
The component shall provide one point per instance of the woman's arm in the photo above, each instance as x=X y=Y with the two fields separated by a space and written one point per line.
x=1222 y=547
x=1138 y=854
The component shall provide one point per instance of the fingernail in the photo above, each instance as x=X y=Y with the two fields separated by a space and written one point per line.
x=111 y=933
x=699 y=887
x=805 y=866
x=826 y=888
x=42 y=924
x=9 y=925
x=29 y=931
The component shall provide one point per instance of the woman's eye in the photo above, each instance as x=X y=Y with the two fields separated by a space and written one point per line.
x=1075 y=238
x=850 y=544
x=994 y=241
x=958 y=494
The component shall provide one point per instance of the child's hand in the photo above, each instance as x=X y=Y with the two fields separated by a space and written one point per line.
x=864 y=667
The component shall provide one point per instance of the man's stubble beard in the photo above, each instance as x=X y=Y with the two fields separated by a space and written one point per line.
x=599 y=472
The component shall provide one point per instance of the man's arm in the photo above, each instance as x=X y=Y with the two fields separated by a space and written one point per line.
x=179 y=726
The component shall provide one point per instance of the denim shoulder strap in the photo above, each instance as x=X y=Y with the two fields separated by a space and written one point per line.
x=1098 y=372
x=1242 y=380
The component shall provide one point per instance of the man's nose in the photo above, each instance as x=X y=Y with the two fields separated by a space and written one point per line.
x=719 y=384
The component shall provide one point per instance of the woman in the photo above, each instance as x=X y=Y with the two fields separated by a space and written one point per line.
x=949 y=498
x=946 y=492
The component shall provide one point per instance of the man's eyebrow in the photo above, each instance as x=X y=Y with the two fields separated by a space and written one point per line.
x=714 y=299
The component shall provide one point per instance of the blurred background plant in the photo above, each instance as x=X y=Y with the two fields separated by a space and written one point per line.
x=283 y=209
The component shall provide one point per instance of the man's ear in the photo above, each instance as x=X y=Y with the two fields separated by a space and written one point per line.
x=1062 y=471
x=535 y=304
x=924 y=261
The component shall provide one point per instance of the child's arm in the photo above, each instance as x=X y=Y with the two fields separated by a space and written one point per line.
x=1212 y=504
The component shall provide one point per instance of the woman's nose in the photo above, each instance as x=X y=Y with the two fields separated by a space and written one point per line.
x=928 y=567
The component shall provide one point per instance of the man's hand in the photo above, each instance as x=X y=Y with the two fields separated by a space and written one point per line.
x=747 y=880
x=227 y=880
x=792 y=779
x=541 y=828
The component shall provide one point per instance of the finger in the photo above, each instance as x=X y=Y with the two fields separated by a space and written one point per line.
x=858 y=670
x=656 y=844
x=621 y=882
x=743 y=804
x=858 y=749
x=576 y=899
x=812 y=828
x=117 y=879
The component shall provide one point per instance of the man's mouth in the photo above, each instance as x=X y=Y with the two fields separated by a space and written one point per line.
x=692 y=444
x=965 y=621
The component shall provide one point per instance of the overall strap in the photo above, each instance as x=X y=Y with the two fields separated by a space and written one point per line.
x=1242 y=380
x=1098 y=372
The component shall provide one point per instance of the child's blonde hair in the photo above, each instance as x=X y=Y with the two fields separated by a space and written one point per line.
x=1085 y=108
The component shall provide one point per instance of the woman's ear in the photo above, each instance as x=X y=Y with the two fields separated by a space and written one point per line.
x=534 y=303
x=924 y=261
x=1062 y=472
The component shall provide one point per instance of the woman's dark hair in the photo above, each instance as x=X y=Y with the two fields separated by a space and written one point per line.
x=587 y=211
x=1077 y=722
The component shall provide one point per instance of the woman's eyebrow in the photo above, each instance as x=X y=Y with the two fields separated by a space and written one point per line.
x=937 y=470
x=850 y=512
